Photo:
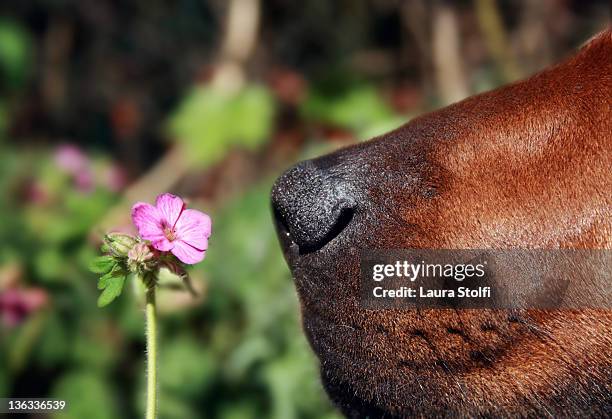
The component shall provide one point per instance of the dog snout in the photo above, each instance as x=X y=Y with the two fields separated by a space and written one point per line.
x=312 y=205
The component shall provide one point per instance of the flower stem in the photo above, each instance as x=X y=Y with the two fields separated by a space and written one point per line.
x=151 y=333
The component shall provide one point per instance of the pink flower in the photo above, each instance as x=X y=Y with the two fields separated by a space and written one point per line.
x=170 y=227
x=37 y=193
x=17 y=303
x=84 y=181
x=71 y=159
x=115 y=178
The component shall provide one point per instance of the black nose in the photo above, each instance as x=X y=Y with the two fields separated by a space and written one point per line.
x=312 y=205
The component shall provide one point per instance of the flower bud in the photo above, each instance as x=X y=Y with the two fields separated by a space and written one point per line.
x=141 y=258
x=119 y=244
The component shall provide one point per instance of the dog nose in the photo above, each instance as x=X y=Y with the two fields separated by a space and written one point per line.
x=312 y=205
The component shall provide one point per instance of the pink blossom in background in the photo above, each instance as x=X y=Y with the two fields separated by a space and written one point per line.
x=17 y=303
x=114 y=178
x=37 y=193
x=84 y=181
x=71 y=159
x=170 y=227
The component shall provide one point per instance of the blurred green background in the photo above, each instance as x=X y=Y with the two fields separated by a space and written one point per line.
x=104 y=103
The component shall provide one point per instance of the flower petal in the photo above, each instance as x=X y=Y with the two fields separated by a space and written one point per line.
x=186 y=253
x=148 y=221
x=162 y=244
x=194 y=228
x=170 y=207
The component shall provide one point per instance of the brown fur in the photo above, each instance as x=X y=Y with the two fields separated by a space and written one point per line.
x=525 y=166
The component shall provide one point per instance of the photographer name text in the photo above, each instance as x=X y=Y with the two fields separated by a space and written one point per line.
x=411 y=272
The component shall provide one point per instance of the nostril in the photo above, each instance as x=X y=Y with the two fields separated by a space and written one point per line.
x=311 y=207
x=345 y=217
x=281 y=222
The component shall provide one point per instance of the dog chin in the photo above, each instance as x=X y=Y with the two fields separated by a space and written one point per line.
x=391 y=362
x=363 y=385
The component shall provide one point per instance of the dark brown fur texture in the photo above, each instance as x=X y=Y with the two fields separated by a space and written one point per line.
x=524 y=166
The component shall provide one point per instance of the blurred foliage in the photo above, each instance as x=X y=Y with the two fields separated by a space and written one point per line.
x=206 y=121
x=239 y=355
x=361 y=109
x=15 y=54
x=15 y=65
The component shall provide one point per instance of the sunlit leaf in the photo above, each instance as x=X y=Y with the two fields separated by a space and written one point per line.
x=15 y=53
x=209 y=122
x=356 y=109
x=102 y=264
x=107 y=279
x=113 y=288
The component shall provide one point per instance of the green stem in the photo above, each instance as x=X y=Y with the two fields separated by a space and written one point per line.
x=151 y=333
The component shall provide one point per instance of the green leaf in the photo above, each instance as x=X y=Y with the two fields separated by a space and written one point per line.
x=102 y=264
x=112 y=290
x=358 y=109
x=106 y=279
x=210 y=122
x=15 y=53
